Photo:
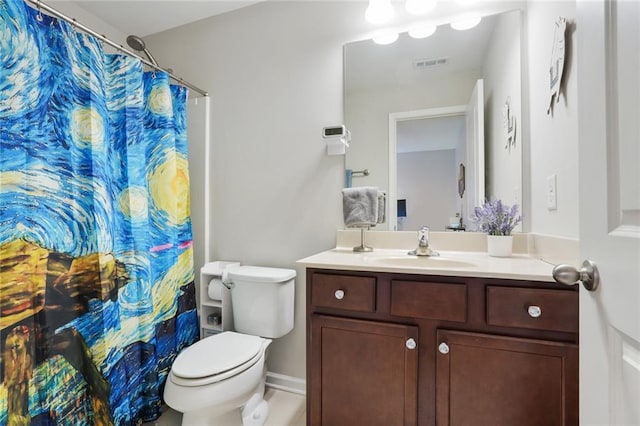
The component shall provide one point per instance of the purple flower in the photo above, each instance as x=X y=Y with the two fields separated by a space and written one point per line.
x=496 y=218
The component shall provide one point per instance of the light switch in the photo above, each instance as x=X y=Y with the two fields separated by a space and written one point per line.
x=552 y=193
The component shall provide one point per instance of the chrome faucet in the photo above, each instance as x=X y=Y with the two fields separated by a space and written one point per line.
x=423 y=248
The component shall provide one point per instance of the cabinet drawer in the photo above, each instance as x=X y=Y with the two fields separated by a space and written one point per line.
x=428 y=300
x=541 y=309
x=348 y=292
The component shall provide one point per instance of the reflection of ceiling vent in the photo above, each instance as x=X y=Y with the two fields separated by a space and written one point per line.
x=420 y=64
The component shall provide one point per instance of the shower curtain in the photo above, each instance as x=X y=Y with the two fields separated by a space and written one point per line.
x=97 y=289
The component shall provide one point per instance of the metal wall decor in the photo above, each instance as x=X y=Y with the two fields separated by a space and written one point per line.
x=509 y=122
x=557 y=62
x=461 y=180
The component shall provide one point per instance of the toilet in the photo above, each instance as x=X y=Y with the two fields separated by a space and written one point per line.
x=220 y=380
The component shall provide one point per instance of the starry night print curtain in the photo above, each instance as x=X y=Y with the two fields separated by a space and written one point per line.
x=97 y=289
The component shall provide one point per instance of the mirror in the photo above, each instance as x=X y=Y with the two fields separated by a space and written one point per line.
x=434 y=118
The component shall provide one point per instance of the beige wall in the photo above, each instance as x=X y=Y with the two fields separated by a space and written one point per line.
x=97 y=24
x=553 y=137
x=274 y=71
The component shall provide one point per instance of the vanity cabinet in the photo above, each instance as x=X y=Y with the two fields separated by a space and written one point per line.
x=368 y=372
x=483 y=379
x=390 y=348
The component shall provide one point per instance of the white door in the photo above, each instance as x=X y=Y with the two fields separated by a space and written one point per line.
x=474 y=117
x=609 y=144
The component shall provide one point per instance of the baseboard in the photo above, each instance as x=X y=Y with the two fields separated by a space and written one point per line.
x=286 y=383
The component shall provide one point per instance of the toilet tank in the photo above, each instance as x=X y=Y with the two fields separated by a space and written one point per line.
x=262 y=300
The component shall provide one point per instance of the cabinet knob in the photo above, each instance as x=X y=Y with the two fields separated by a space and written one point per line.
x=534 y=311
x=443 y=348
x=339 y=294
x=410 y=343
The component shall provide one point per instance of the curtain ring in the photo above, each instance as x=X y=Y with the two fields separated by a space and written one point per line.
x=39 y=15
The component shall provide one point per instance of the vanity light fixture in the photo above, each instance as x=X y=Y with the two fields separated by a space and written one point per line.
x=466 y=23
x=379 y=11
x=385 y=37
x=420 y=7
x=422 y=30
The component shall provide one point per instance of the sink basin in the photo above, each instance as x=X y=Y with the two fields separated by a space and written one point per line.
x=422 y=262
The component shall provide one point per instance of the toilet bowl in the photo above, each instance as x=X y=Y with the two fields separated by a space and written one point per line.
x=210 y=391
x=220 y=380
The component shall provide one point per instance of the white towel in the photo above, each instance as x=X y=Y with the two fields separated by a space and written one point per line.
x=360 y=206
x=382 y=206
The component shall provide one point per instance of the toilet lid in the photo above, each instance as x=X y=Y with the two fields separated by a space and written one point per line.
x=216 y=354
x=262 y=274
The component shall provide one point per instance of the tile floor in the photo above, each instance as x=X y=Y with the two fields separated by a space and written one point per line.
x=285 y=409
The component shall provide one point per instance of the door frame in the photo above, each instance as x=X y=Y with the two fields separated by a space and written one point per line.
x=394 y=119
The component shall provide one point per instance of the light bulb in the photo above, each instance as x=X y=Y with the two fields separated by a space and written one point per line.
x=379 y=11
x=385 y=37
x=466 y=23
x=422 y=31
x=420 y=7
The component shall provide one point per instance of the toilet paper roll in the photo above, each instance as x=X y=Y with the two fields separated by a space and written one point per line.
x=214 y=290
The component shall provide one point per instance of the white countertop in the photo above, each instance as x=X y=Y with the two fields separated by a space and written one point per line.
x=449 y=263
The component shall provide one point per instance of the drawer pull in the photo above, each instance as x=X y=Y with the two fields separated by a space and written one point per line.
x=410 y=343
x=443 y=348
x=534 y=311
x=339 y=294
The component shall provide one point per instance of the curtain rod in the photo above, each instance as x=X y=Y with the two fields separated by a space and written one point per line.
x=104 y=39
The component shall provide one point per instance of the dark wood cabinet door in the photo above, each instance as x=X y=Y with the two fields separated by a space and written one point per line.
x=362 y=373
x=496 y=380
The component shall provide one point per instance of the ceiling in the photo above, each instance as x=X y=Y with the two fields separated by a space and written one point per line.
x=369 y=65
x=145 y=17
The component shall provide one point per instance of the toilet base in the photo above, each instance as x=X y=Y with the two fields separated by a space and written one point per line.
x=253 y=413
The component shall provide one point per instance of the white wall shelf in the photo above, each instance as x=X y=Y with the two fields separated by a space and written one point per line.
x=215 y=312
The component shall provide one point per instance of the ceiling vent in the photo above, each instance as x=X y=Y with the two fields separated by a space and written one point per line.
x=420 y=64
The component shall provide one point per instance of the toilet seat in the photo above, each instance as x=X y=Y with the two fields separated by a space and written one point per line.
x=216 y=358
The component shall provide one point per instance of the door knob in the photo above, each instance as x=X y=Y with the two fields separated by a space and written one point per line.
x=411 y=344
x=587 y=275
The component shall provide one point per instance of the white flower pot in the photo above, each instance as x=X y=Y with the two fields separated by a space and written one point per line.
x=499 y=245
